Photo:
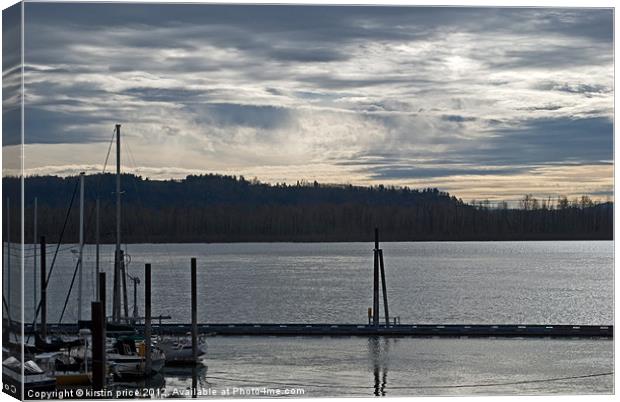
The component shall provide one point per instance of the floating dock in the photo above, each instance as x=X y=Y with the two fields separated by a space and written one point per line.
x=413 y=330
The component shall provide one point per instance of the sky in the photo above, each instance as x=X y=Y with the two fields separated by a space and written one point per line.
x=485 y=103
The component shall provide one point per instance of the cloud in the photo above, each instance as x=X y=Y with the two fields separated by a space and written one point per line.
x=11 y=76
x=418 y=172
x=400 y=94
x=543 y=141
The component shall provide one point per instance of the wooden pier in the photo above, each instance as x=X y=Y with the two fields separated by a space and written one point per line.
x=410 y=330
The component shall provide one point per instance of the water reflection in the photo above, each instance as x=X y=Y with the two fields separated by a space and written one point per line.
x=378 y=353
x=156 y=381
x=179 y=376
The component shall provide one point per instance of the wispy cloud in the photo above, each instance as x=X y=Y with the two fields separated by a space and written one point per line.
x=451 y=97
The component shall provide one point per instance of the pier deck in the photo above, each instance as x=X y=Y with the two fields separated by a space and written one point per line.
x=414 y=330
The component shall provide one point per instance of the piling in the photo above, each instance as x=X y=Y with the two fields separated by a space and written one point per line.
x=98 y=345
x=101 y=280
x=384 y=289
x=8 y=253
x=375 y=282
x=124 y=284
x=194 y=382
x=194 y=313
x=34 y=260
x=43 y=291
x=101 y=292
x=147 y=317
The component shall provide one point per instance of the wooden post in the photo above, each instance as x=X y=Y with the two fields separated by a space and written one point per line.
x=101 y=292
x=375 y=282
x=384 y=289
x=147 y=317
x=124 y=283
x=98 y=345
x=194 y=382
x=134 y=317
x=43 y=292
x=101 y=280
x=8 y=253
x=194 y=313
x=34 y=268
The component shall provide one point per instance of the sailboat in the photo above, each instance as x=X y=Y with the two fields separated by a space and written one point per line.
x=69 y=367
x=127 y=357
x=179 y=350
x=127 y=354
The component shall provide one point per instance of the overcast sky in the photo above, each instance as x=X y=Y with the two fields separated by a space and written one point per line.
x=483 y=103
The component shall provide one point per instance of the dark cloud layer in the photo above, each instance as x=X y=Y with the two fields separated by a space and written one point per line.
x=11 y=75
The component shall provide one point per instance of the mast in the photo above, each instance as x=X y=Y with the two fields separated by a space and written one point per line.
x=34 y=270
x=116 y=301
x=80 y=258
x=43 y=290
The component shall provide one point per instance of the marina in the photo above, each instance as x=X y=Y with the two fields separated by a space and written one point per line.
x=99 y=351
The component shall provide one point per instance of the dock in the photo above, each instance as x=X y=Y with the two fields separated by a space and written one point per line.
x=344 y=330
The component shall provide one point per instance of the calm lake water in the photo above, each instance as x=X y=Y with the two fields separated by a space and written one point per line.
x=433 y=282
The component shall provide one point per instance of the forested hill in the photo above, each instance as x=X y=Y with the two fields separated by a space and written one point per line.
x=216 y=208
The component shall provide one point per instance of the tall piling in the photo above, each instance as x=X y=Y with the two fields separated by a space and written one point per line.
x=98 y=345
x=147 y=318
x=43 y=291
x=375 y=282
x=34 y=260
x=194 y=312
x=102 y=298
x=384 y=289
x=194 y=381
x=8 y=255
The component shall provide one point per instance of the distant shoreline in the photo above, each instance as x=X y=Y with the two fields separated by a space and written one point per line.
x=339 y=241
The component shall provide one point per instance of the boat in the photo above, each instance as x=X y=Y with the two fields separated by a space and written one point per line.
x=127 y=357
x=54 y=343
x=66 y=369
x=178 y=350
x=34 y=378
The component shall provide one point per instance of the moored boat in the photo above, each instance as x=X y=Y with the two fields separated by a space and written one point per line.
x=127 y=357
x=178 y=350
x=34 y=378
x=66 y=369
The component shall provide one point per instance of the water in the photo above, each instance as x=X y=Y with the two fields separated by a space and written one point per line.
x=434 y=282
x=407 y=366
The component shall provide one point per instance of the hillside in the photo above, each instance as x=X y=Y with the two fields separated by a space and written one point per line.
x=216 y=208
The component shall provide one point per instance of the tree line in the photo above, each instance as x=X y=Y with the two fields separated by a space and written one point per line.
x=217 y=208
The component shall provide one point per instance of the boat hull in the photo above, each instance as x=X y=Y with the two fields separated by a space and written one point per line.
x=74 y=379
x=134 y=366
x=179 y=354
x=33 y=384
